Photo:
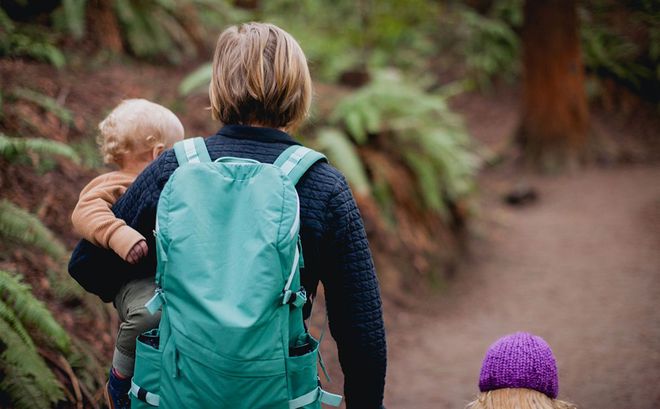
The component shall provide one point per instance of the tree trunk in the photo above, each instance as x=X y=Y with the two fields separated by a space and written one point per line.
x=555 y=118
x=104 y=26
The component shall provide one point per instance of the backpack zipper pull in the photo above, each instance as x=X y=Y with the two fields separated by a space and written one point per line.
x=156 y=302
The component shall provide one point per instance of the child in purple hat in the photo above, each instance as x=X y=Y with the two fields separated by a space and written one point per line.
x=519 y=371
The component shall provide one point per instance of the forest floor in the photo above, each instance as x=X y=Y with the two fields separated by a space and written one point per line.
x=579 y=267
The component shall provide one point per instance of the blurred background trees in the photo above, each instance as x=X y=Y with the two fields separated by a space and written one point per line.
x=554 y=117
x=386 y=73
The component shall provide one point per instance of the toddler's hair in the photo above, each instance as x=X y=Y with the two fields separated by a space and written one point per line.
x=260 y=77
x=517 y=398
x=134 y=127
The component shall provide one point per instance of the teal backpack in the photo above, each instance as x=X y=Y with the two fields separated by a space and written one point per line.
x=228 y=282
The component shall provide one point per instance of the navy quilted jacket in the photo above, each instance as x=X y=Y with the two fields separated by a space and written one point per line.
x=335 y=248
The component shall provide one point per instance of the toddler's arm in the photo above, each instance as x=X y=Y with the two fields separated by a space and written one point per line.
x=93 y=218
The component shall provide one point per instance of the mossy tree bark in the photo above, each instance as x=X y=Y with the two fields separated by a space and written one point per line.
x=554 y=125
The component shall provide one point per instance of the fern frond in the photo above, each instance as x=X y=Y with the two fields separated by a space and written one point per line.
x=23 y=228
x=74 y=17
x=345 y=157
x=31 y=312
x=47 y=103
x=17 y=42
x=427 y=178
x=11 y=148
x=429 y=137
x=8 y=315
x=196 y=80
x=27 y=380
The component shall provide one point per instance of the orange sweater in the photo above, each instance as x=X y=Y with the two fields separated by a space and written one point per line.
x=93 y=218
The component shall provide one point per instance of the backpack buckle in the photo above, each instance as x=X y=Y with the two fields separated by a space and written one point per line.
x=297 y=299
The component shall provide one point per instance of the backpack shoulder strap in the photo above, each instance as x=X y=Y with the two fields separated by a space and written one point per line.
x=191 y=150
x=295 y=161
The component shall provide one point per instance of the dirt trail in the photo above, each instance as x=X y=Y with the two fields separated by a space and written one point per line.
x=581 y=268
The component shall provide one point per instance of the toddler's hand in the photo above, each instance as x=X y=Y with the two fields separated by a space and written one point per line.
x=138 y=251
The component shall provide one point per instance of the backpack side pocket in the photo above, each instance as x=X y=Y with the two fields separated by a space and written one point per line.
x=146 y=380
x=302 y=373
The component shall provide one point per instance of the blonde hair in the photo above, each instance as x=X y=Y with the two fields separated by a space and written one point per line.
x=517 y=398
x=260 y=77
x=134 y=127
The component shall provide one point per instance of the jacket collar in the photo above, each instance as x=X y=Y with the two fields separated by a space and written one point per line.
x=256 y=133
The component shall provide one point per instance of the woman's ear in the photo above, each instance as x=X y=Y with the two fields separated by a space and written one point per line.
x=157 y=150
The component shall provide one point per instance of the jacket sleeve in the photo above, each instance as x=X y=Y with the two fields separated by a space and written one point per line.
x=137 y=207
x=353 y=301
x=94 y=220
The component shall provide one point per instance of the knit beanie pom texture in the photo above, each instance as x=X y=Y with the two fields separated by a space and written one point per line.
x=520 y=360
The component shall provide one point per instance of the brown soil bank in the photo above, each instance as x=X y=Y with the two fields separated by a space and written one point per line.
x=581 y=268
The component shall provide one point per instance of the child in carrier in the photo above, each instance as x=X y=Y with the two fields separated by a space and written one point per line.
x=519 y=371
x=132 y=135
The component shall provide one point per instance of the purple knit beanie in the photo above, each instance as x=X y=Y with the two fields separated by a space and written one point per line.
x=520 y=360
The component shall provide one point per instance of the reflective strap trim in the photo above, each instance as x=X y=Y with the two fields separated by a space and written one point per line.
x=317 y=394
x=330 y=398
x=293 y=160
x=155 y=302
x=143 y=395
x=306 y=399
x=191 y=151
x=200 y=148
x=284 y=156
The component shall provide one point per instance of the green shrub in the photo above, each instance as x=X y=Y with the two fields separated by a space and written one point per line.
x=608 y=52
x=421 y=132
x=153 y=28
x=27 y=41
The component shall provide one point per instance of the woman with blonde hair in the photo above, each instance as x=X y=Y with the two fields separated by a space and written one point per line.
x=519 y=372
x=260 y=92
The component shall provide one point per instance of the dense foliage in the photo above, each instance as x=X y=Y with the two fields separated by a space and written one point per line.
x=411 y=126
x=25 y=325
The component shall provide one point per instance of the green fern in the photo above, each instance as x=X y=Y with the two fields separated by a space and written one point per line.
x=14 y=148
x=490 y=47
x=344 y=156
x=161 y=28
x=8 y=315
x=197 y=80
x=47 y=103
x=426 y=135
x=28 y=381
x=31 y=312
x=608 y=52
x=23 y=228
x=27 y=41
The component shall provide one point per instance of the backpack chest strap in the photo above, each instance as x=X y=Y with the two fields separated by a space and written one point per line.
x=296 y=160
